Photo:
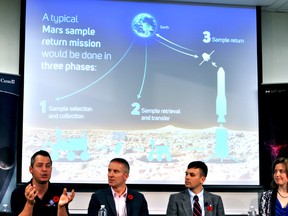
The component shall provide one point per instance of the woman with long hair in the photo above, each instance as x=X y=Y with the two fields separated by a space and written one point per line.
x=274 y=202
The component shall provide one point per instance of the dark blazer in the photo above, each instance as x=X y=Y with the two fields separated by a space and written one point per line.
x=267 y=203
x=136 y=203
x=180 y=204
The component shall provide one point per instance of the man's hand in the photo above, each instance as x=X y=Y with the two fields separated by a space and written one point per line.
x=30 y=194
x=66 y=198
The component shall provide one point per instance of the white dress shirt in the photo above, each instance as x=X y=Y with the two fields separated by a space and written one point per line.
x=120 y=203
x=201 y=200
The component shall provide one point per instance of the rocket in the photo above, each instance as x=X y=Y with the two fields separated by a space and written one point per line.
x=221 y=103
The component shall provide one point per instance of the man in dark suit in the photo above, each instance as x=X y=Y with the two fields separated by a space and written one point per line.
x=181 y=204
x=118 y=199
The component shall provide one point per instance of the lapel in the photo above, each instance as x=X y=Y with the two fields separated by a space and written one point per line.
x=129 y=203
x=110 y=200
x=186 y=204
x=207 y=202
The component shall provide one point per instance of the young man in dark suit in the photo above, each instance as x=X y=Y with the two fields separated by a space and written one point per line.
x=118 y=199
x=183 y=203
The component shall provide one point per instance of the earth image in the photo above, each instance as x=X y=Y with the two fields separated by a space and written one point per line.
x=144 y=25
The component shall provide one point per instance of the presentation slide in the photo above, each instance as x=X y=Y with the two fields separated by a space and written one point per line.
x=159 y=84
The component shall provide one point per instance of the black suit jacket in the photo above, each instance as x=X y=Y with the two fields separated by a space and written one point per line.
x=136 y=205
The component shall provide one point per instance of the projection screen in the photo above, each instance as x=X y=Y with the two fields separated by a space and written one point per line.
x=158 y=83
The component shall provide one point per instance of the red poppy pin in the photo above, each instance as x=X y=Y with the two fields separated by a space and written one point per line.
x=130 y=197
x=55 y=199
x=209 y=208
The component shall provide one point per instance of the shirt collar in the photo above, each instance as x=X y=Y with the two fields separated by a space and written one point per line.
x=116 y=195
x=192 y=194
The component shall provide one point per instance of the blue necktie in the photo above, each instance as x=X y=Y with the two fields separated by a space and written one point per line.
x=196 y=207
